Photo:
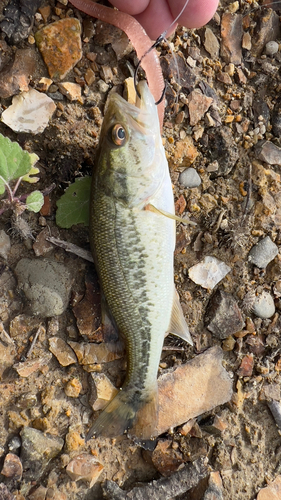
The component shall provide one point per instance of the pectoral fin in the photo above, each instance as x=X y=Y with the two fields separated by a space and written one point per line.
x=152 y=208
x=178 y=324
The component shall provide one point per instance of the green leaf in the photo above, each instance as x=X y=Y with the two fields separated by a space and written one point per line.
x=73 y=206
x=14 y=161
x=32 y=171
x=34 y=202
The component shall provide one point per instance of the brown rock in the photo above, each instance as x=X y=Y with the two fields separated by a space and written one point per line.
x=215 y=488
x=84 y=467
x=165 y=459
x=103 y=391
x=187 y=390
x=7 y=356
x=267 y=30
x=246 y=367
x=247 y=41
x=38 y=494
x=26 y=368
x=186 y=428
x=198 y=106
x=54 y=494
x=88 y=354
x=73 y=441
x=272 y=491
x=60 y=46
x=89 y=76
x=16 y=76
x=241 y=76
x=180 y=205
x=231 y=33
x=45 y=12
x=71 y=90
x=88 y=311
x=41 y=246
x=185 y=152
x=211 y=43
x=224 y=78
x=12 y=467
x=62 y=351
x=268 y=152
x=73 y=388
x=5 y=493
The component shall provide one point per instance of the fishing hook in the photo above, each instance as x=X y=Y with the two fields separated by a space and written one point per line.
x=153 y=46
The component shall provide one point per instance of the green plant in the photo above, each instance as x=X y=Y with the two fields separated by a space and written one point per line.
x=17 y=165
x=73 y=206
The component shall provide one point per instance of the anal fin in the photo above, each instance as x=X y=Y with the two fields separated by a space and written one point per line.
x=178 y=324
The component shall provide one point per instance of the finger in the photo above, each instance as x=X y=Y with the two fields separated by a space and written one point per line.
x=159 y=15
x=197 y=12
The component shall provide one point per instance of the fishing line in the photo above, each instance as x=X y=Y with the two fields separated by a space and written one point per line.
x=160 y=39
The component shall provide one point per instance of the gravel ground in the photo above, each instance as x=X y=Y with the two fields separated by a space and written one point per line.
x=221 y=133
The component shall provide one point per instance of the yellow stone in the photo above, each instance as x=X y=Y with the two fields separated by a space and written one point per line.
x=60 y=45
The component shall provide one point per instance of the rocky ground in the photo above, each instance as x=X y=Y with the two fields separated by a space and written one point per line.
x=219 y=433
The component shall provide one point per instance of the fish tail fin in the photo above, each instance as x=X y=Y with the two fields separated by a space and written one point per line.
x=127 y=410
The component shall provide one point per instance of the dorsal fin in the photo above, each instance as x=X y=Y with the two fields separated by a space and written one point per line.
x=178 y=324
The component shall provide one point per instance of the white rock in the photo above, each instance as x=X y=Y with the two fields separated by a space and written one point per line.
x=271 y=48
x=189 y=178
x=263 y=306
x=85 y=467
x=5 y=244
x=263 y=252
x=29 y=112
x=208 y=272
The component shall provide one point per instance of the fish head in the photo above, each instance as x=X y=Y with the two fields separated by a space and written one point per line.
x=131 y=154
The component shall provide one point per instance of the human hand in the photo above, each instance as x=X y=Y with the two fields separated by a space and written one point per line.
x=156 y=16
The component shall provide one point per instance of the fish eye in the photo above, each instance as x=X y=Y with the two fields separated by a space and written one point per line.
x=118 y=135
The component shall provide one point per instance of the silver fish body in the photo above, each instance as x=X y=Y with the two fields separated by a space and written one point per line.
x=133 y=247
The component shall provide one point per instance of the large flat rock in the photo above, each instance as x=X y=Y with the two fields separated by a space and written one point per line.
x=192 y=389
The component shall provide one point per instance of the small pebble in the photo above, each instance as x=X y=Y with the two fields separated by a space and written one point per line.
x=73 y=388
x=12 y=467
x=263 y=252
x=103 y=87
x=38 y=449
x=84 y=467
x=268 y=152
x=103 y=391
x=271 y=48
x=62 y=351
x=263 y=306
x=189 y=178
x=5 y=244
x=14 y=444
x=208 y=272
x=223 y=317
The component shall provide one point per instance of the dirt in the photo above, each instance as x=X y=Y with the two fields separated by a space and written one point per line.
x=236 y=205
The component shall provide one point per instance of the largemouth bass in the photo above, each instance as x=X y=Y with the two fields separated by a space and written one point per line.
x=132 y=232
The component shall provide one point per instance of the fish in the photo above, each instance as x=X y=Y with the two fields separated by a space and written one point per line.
x=132 y=236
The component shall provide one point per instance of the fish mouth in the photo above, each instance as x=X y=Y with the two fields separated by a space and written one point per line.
x=142 y=114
